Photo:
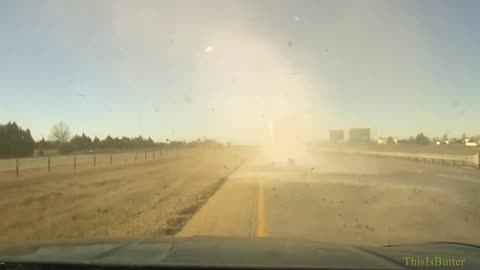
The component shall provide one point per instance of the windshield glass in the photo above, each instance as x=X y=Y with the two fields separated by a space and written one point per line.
x=346 y=122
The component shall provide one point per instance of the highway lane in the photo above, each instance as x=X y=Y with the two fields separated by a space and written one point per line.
x=345 y=199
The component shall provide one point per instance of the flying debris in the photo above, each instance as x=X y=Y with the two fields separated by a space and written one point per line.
x=291 y=161
x=209 y=49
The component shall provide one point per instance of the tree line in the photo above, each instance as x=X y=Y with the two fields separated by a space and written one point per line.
x=60 y=138
x=18 y=142
x=422 y=139
x=84 y=142
x=15 y=141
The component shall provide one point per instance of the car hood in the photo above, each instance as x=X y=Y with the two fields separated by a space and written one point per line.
x=236 y=252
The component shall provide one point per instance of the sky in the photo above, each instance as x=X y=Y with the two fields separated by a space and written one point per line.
x=241 y=71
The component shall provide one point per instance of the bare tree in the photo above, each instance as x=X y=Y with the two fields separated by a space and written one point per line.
x=60 y=132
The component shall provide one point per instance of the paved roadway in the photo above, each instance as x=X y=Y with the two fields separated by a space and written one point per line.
x=345 y=199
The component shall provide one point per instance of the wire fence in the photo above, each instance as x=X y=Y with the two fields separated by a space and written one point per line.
x=78 y=161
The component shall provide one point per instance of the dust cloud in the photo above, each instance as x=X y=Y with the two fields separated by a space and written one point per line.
x=256 y=88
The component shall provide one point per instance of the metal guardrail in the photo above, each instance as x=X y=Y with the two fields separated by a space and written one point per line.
x=445 y=159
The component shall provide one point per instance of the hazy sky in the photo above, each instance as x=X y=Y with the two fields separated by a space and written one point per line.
x=240 y=70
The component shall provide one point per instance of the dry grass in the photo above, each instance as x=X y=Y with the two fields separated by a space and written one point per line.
x=152 y=197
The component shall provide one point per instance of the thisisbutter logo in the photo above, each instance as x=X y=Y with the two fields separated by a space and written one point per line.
x=433 y=261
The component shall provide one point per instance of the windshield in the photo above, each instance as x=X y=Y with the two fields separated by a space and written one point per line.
x=346 y=122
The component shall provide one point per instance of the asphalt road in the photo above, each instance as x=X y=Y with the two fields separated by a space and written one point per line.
x=345 y=199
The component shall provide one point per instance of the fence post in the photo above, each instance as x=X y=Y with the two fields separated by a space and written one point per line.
x=16 y=167
x=111 y=159
x=49 y=168
x=94 y=160
x=135 y=155
x=153 y=155
x=145 y=155
x=75 y=162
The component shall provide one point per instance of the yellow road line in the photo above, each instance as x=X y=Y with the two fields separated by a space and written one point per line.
x=260 y=212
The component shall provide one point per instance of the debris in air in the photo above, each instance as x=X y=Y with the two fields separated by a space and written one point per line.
x=209 y=49
x=188 y=100
x=455 y=104
x=290 y=44
x=291 y=161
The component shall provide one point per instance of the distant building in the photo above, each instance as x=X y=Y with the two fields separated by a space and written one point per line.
x=337 y=136
x=359 y=135
x=469 y=142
